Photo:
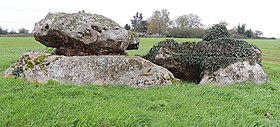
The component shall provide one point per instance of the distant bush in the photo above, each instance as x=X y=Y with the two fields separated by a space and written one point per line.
x=3 y=31
x=153 y=35
x=185 y=32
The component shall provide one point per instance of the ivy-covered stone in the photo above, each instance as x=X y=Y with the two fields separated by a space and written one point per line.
x=215 y=32
x=189 y=61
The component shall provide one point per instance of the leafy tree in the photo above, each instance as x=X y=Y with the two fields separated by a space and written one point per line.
x=23 y=31
x=154 y=21
x=223 y=22
x=83 y=11
x=181 y=22
x=215 y=32
x=136 y=21
x=241 y=29
x=186 y=26
x=138 y=24
x=159 y=22
x=172 y=24
x=143 y=26
x=258 y=33
x=241 y=32
x=3 y=31
x=249 y=33
x=127 y=27
x=12 y=32
x=189 y=21
x=233 y=32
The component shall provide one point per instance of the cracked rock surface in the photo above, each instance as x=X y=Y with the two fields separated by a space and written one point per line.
x=239 y=72
x=81 y=34
x=83 y=70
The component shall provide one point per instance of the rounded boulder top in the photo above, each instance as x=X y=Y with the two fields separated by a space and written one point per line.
x=81 y=34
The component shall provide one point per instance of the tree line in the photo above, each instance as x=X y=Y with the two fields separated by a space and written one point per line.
x=160 y=24
x=20 y=31
x=184 y=26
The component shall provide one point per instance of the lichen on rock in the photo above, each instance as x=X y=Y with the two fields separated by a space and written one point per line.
x=82 y=70
x=238 y=72
x=32 y=66
x=81 y=34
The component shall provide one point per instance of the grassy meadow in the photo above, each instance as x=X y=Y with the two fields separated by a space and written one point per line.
x=30 y=104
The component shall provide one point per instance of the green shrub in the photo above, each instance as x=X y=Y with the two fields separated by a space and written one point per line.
x=215 y=32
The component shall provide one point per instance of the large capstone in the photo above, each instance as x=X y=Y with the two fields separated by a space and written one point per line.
x=79 y=34
x=81 y=70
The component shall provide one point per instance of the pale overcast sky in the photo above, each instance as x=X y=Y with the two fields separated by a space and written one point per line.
x=260 y=15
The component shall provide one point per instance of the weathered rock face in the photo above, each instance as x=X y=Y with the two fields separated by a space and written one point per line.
x=111 y=70
x=133 y=39
x=238 y=72
x=82 y=34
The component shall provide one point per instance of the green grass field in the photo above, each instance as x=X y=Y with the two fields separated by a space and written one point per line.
x=30 y=104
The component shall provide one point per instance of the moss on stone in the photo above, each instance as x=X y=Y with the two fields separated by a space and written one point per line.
x=29 y=64
x=39 y=59
x=215 y=32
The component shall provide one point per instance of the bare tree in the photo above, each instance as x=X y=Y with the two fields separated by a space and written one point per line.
x=189 y=21
x=258 y=33
x=23 y=31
